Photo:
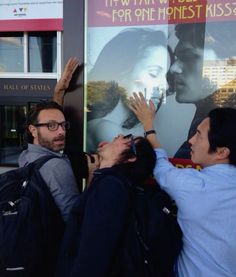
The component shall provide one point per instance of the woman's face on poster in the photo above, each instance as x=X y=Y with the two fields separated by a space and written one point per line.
x=149 y=73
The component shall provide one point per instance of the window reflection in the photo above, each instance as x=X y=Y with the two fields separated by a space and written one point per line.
x=11 y=52
x=42 y=52
x=12 y=120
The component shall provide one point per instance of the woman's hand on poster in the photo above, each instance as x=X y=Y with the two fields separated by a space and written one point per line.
x=63 y=84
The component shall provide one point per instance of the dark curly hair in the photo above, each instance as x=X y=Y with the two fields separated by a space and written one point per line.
x=142 y=168
x=33 y=114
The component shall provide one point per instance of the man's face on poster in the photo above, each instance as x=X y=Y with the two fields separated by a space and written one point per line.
x=187 y=72
x=189 y=83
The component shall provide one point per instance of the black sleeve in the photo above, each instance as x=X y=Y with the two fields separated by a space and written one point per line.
x=102 y=226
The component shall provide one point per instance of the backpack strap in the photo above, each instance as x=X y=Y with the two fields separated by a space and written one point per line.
x=37 y=164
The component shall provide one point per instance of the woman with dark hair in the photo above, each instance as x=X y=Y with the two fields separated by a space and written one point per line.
x=137 y=59
x=97 y=221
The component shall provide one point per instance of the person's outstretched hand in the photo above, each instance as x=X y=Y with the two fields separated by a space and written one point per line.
x=63 y=84
x=144 y=111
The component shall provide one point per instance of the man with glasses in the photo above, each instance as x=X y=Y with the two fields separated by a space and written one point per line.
x=46 y=130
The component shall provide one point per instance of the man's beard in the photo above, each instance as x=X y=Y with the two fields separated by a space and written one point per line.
x=51 y=144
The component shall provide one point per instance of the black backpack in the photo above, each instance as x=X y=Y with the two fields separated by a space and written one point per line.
x=31 y=226
x=152 y=238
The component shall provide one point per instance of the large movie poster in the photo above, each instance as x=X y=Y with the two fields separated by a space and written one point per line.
x=179 y=53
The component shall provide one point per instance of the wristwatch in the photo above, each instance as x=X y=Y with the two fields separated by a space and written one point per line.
x=149 y=132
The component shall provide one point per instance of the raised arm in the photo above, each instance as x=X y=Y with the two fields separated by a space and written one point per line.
x=63 y=84
x=145 y=112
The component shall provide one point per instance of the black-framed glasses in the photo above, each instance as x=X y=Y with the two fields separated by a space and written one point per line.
x=54 y=125
x=133 y=146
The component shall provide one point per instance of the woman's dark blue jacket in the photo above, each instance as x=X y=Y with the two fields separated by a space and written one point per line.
x=95 y=226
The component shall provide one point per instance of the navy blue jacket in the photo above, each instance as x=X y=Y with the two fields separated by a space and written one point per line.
x=95 y=226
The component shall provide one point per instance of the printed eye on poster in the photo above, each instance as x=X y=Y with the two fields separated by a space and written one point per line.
x=31 y=15
x=181 y=54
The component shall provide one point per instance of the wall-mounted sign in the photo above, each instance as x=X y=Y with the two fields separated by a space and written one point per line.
x=31 y=15
x=36 y=88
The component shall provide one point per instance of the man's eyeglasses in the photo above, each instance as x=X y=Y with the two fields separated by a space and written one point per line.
x=133 y=146
x=54 y=125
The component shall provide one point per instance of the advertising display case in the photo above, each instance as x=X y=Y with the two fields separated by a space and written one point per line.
x=180 y=54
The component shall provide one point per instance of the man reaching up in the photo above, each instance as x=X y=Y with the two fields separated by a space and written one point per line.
x=206 y=199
